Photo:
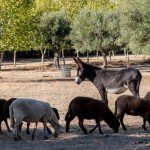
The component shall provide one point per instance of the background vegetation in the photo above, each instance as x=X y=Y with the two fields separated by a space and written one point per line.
x=100 y=26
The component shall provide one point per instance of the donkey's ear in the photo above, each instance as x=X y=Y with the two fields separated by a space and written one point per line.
x=76 y=62
x=80 y=63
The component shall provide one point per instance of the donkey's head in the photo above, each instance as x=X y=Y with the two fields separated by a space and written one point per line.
x=81 y=72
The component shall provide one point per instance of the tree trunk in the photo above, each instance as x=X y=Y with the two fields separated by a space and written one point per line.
x=63 y=57
x=128 y=61
x=125 y=53
x=15 y=58
x=43 y=52
x=97 y=55
x=1 y=59
x=56 y=59
x=109 y=55
x=104 y=60
x=113 y=53
x=77 y=54
x=87 y=53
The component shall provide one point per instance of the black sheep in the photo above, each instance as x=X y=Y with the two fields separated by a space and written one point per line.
x=89 y=108
x=2 y=117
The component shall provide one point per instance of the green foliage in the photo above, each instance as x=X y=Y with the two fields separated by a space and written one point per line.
x=135 y=25
x=17 y=19
x=55 y=27
x=94 y=30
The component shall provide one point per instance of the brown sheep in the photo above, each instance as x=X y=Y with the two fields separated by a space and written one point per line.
x=89 y=108
x=131 y=105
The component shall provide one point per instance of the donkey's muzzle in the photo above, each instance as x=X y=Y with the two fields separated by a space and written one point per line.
x=78 y=80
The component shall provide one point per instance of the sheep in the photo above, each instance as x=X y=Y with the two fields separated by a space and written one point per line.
x=131 y=105
x=2 y=118
x=32 y=110
x=89 y=108
x=48 y=130
x=6 y=114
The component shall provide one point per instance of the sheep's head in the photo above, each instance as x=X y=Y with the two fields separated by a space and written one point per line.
x=116 y=128
x=147 y=96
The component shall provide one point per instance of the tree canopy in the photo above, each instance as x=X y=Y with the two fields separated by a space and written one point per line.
x=135 y=25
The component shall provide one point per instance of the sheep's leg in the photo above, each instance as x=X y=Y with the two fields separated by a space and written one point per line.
x=120 y=116
x=20 y=127
x=0 y=127
x=82 y=126
x=35 y=127
x=93 y=129
x=45 y=128
x=27 y=131
x=17 y=130
x=97 y=125
x=44 y=121
x=7 y=125
x=68 y=120
x=144 y=122
x=15 y=133
x=123 y=126
x=48 y=130
x=18 y=133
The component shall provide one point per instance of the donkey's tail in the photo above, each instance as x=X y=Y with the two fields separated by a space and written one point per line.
x=11 y=116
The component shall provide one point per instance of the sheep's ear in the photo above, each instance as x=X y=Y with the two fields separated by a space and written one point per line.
x=80 y=63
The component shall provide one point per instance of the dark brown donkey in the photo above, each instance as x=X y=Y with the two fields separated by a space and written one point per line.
x=113 y=81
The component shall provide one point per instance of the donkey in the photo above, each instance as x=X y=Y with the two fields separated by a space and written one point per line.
x=113 y=81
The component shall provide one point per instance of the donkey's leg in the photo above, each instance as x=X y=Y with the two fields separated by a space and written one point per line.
x=134 y=88
x=68 y=119
x=137 y=87
x=82 y=126
x=103 y=94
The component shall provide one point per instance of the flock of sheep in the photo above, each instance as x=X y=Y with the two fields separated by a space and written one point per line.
x=28 y=110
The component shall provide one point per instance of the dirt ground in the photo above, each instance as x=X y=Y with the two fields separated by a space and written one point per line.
x=48 y=85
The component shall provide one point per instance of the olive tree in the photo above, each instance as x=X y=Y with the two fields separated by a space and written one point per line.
x=55 y=27
x=95 y=31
